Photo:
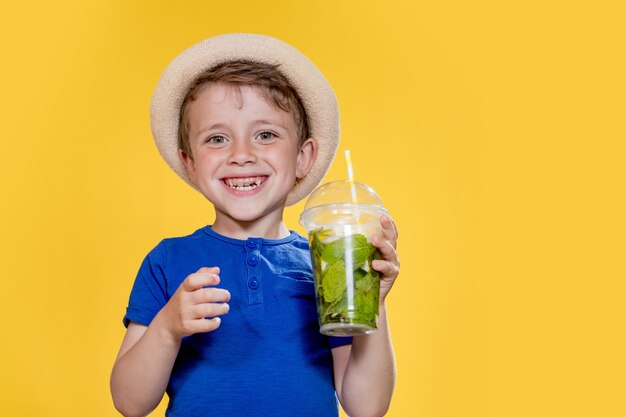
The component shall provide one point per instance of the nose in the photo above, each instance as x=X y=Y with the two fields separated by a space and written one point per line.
x=242 y=153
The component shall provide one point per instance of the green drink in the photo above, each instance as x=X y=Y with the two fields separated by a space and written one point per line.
x=347 y=287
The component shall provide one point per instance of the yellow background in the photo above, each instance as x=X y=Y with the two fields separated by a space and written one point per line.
x=493 y=131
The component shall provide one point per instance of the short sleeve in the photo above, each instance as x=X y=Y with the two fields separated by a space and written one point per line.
x=334 y=341
x=149 y=293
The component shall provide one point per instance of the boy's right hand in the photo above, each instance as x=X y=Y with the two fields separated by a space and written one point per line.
x=187 y=311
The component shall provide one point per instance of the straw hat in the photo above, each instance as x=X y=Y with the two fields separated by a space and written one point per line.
x=314 y=90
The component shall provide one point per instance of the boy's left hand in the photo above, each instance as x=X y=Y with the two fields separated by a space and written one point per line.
x=389 y=265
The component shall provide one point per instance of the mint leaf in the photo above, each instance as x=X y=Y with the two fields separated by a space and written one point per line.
x=367 y=293
x=366 y=309
x=366 y=284
x=315 y=242
x=359 y=274
x=336 y=250
x=337 y=308
x=317 y=247
x=374 y=255
x=334 y=281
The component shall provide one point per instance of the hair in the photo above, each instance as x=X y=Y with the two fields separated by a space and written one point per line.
x=274 y=86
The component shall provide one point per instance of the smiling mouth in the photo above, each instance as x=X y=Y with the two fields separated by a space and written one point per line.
x=244 y=184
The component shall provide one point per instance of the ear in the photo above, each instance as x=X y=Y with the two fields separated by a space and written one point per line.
x=189 y=164
x=306 y=157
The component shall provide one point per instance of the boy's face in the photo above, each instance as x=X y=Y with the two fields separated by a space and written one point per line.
x=245 y=154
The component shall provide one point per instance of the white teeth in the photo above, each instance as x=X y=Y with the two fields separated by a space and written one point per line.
x=244 y=184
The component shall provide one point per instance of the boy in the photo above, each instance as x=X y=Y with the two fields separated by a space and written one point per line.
x=250 y=123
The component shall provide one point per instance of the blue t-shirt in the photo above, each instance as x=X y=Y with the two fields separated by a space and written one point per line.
x=267 y=358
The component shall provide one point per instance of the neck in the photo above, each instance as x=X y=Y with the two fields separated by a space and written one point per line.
x=267 y=228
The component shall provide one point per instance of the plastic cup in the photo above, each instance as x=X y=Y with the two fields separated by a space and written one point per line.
x=341 y=217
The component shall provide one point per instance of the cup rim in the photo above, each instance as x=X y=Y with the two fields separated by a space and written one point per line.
x=365 y=207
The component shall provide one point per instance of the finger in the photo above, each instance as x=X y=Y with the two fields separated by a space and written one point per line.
x=386 y=268
x=210 y=310
x=211 y=295
x=390 y=231
x=210 y=270
x=198 y=280
x=387 y=250
x=203 y=325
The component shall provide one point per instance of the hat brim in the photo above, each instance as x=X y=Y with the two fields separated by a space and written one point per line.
x=317 y=97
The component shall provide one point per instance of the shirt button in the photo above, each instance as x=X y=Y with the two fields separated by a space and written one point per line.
x=253 y=283
x=253 y=260
x=251 y=244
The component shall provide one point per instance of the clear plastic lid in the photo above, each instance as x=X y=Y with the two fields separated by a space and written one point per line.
x=337 y=192
x=339 y=202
